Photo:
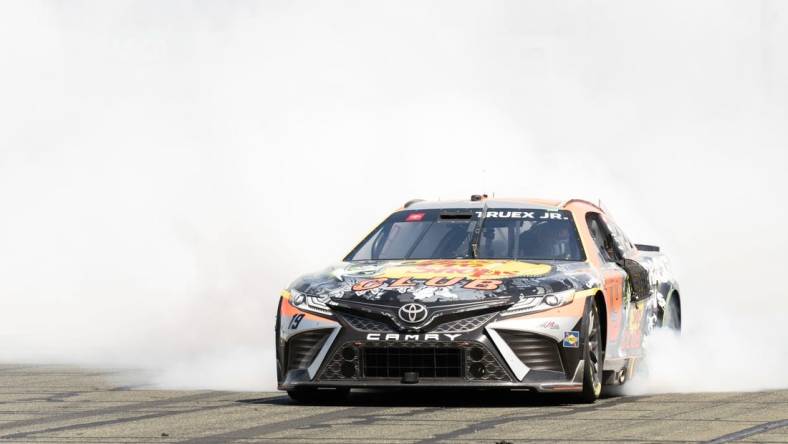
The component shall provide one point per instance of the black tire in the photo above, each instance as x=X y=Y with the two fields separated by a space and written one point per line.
x=280 y=373
x=314 y=396
x=593 y=353
x=671 y=316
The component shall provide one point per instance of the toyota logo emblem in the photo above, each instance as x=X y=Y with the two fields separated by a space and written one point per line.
x=413 y=313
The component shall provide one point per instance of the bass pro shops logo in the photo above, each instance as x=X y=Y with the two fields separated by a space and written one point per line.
x=413 y=313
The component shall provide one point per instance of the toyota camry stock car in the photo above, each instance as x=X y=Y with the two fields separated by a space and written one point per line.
x=484 y=293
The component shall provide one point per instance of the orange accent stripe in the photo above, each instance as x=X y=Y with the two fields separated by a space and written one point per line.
x=562 y=387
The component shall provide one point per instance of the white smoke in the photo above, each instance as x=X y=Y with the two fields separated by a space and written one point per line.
x=167 y=168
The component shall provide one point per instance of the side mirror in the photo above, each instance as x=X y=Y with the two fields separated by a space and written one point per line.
x=638 y=278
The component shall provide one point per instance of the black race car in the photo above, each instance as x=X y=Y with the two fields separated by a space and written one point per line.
x=526 y=294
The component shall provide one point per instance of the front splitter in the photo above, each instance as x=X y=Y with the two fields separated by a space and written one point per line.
x=425 y=383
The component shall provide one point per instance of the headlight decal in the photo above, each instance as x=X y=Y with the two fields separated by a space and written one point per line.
x=535 y=303
x=310 y=303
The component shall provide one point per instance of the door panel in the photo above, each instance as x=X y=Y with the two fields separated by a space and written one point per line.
x=626 y=284
x=615 y=279
x=635 y=328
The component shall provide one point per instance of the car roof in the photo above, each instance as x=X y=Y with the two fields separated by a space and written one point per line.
x=493 y=203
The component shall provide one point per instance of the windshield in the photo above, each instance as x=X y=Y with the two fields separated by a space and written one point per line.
x=514 y=233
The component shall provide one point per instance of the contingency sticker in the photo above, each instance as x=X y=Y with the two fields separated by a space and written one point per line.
x=572 y=339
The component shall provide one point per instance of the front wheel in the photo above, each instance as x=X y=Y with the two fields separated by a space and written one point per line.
x=593 y=354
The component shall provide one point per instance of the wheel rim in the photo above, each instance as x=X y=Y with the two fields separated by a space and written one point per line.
x=673 y=322
x=594 y=349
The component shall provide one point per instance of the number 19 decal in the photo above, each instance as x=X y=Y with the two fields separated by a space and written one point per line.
x=296 y=321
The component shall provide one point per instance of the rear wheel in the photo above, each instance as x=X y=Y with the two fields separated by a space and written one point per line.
x=593 y=354
x=671 y=316
x=313 y=395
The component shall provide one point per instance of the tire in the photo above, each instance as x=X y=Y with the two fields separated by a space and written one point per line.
x=593 y=353
x=671 y=317
x=314 y=396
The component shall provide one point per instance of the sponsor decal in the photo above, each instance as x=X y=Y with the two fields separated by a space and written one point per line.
x=572 y=339
x=635 y=326
x=463 y=268
x=408 y=281
x=413 y=313
x=443 y=282
x=551 y=325
x=416 y=337
x=369 y=284
x=472 y=274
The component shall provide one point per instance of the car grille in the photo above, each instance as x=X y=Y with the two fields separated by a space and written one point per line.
x=303 y=347
x=536 y=351
x=428 y=362
x=428 y=359
x=364 y=324
x=464 y=324
x=454 y=326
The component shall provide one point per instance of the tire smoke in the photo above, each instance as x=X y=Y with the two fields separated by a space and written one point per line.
x=167 y=168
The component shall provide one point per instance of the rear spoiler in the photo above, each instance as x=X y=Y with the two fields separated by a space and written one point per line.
x=651 y=248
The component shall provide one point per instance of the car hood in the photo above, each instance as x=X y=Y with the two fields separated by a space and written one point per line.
x=443 y=282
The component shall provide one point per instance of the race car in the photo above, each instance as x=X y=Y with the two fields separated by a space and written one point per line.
x=527 y=294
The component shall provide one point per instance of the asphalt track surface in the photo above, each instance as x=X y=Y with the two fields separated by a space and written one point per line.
x=70 y=405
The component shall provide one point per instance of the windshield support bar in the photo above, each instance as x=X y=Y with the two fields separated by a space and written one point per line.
x=477 y=232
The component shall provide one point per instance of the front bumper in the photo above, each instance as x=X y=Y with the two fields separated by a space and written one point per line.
x=481 y=350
